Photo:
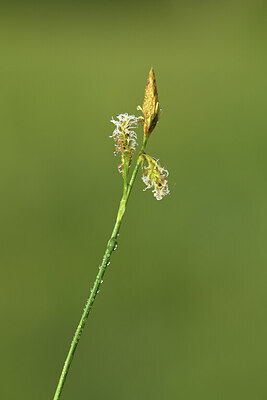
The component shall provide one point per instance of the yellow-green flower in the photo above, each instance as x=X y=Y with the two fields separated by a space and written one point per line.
x=154 y=176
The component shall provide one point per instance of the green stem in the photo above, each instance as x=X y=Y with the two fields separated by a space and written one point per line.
x=136 y=169
x=111 y=246
x=126 y=172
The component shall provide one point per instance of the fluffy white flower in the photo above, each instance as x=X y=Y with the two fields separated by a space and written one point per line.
x=124 y=134
x=154 y=177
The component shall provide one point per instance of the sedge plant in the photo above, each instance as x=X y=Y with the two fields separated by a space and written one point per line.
x=154 y=177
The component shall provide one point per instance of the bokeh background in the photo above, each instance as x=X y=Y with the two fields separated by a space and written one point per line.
x=182 y=311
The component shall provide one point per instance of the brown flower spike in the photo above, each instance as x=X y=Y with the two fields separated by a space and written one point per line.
x=151 y=104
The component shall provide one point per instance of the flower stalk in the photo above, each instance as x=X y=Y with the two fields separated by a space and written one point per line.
x=125 y=137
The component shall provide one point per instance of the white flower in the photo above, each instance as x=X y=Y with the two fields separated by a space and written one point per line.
x=154 y=177
x=124 y=134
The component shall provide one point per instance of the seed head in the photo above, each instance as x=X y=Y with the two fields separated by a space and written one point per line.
x=151 y=104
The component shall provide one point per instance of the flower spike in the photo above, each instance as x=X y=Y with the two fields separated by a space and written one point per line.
x=151 y=104
x=125 y=136
x=154 y=176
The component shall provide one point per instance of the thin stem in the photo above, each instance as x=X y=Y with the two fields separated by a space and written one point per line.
x=136 y=169
x=125 y=173
x=111 y=246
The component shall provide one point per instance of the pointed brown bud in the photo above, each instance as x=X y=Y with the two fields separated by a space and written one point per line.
x=151 y=104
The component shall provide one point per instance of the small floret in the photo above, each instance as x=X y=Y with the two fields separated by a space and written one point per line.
x=124 y=134
x=154 y=176
x=125 y=137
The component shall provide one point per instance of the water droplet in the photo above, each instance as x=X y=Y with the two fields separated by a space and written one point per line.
x=102 y=281
x=98 y=291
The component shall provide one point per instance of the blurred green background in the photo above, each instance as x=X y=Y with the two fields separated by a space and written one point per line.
x=182 y=311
